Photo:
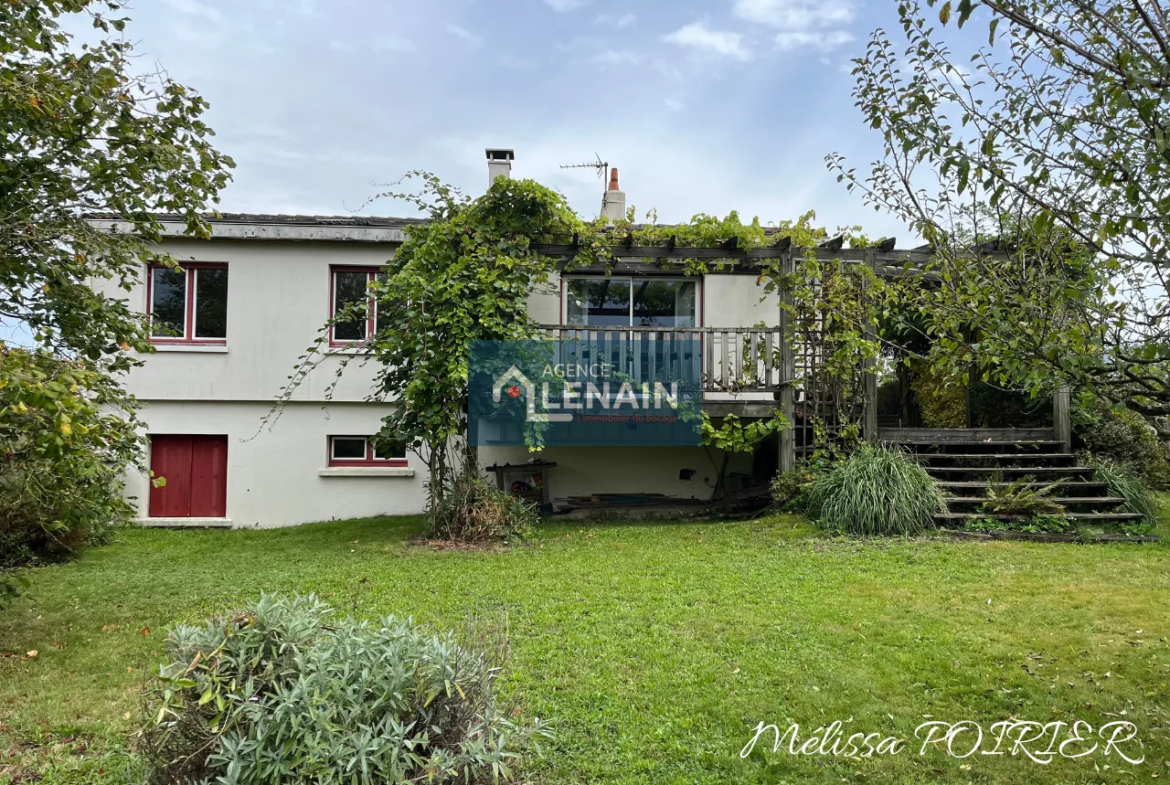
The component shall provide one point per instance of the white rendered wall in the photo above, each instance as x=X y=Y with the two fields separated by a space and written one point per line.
x=581 y=471
x=274 y=474
x=278 y=298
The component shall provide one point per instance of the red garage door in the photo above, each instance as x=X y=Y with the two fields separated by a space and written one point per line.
x=195 y=468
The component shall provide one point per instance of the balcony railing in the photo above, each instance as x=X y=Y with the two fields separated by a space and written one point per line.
x=730 y=359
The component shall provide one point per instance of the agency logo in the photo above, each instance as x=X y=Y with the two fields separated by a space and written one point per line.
x=512 y=380
x=620 y=391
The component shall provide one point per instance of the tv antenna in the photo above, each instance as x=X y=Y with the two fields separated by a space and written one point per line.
x=601 y=166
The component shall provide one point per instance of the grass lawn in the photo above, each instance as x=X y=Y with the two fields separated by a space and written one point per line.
x=655 y=648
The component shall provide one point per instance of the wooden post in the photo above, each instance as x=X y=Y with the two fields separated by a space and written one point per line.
x=787 y=366
x=869 y=426
x=1061 y=418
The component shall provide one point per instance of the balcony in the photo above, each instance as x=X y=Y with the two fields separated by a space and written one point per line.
x=739 y=366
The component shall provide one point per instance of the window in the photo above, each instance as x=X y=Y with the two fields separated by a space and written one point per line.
x=350 y=286
x=364 y=451
x=188 y=304
x=631 y=302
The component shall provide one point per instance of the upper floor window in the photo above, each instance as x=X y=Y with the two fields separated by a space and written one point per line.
x=350 y=286
x=362 y=451
x=188 y=304
x=632 y=302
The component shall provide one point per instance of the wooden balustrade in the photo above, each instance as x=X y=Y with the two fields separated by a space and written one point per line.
x=730 y=359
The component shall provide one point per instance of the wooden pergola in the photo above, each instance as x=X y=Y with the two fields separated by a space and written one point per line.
x=730 y=259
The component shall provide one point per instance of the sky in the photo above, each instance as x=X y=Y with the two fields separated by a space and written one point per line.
x=705 y=106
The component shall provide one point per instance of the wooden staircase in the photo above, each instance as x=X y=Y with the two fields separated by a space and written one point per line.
x=963 y=462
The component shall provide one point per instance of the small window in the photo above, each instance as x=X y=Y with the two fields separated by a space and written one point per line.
x=350 y=287
x=188 y=304
x=365 y=451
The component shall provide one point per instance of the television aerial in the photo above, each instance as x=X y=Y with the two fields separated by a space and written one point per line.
x=602 y=167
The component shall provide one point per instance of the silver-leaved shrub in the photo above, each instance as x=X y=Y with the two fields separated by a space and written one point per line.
x=284 y=692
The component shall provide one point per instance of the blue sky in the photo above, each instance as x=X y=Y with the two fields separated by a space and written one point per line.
x=704 y=105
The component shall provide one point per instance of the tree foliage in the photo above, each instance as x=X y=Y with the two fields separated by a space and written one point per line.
x=82 y=131
x=1048 y=144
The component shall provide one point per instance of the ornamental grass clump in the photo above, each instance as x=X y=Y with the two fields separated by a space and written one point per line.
x=876 y=491
x=1127 y=486
x=283 y=692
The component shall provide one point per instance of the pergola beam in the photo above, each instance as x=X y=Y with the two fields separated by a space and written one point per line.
x=744 y=261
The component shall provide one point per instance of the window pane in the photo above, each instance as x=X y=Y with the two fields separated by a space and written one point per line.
x=387 y=450
x=211 y=287
x=349 y=448
x=664 y=304
x=604 y=302
x=168 y=302
x=349 y=288
x=379 y=322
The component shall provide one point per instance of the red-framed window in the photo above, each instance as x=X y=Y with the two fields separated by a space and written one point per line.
x=189 y=304
x=349 y=286
x=362 y=451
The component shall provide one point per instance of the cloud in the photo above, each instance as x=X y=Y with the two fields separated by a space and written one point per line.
x=388 y=42
x=562 y=6
x=465 y=34
x=195 y=8
x=620 y=22
x=801 y=23
x=719 y=42
x=795 y=14
x=813 y=39
x=672 y=104
x=617 y=57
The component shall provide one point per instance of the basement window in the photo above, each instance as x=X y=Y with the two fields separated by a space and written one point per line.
x=362 y=451
x=189 y=304
x=350 y=287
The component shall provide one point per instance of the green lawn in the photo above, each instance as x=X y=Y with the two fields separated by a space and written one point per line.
x=655 y=648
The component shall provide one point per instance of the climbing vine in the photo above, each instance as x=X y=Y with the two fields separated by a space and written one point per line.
x=466 y=273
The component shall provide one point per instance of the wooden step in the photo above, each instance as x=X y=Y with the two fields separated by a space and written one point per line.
x=997 y=456
x=1072 y=516
x=1075 y=484
x=942 y=436
x=1012 y=469
x=1098 y=500
x=982 y=443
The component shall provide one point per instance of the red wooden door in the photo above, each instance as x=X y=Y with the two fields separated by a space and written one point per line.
x=195 y=468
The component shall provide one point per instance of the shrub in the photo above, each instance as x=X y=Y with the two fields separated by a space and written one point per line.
x=62 y=458
x=473 y=510
x=790 y=489
x=1124 y=439
x=1125 y=486
x=941 y=400
x=282 y=692
x=876 y=491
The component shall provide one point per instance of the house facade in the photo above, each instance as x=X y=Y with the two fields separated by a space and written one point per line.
x=230 y=327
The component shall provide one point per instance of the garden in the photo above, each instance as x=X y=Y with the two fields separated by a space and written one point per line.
x=651 y=650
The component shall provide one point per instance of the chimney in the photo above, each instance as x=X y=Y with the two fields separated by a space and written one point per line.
x=499 y=164
x=613 y=204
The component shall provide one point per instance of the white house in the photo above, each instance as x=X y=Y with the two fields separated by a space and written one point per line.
x=230 y=327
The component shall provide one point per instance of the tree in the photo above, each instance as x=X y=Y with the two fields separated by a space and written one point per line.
x=1051 y=148
x=82 y=131
x=462 y=275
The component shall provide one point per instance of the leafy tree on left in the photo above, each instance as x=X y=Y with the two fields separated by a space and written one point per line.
x=82 y=131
